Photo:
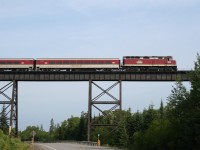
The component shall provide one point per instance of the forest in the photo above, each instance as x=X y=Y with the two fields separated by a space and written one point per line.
x=175 y=126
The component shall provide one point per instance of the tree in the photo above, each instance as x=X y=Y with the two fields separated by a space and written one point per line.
x=148 y=116
x=41 y=128
x=192 y=123
x=72 y=128
x=52 y=129
x=157 y=136
x=52 y=126
x=4 y=121
x=82 y=127
x=183 y=110
x=161 y=110
x=176 y=106
x=40 y=135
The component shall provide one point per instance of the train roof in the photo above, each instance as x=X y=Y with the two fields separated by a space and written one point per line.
x=16 y=58
x=77 y=59
x=147 y=57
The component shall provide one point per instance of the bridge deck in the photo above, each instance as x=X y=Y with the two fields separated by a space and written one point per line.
x=95 y=76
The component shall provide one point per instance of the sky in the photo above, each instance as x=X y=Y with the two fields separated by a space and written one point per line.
x=95 y=29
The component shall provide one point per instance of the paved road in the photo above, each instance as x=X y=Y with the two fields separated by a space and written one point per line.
x=68 y=146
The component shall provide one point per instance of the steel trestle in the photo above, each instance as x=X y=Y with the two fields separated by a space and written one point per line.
x=95 y=101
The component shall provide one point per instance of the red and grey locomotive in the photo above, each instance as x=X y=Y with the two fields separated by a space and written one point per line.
x=149 y=63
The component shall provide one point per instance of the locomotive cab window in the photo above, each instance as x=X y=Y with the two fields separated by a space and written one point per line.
x=169 y=58
x=137 y=57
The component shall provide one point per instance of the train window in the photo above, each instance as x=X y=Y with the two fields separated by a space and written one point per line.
x=51 y=62
x=100 y=62
x=2 y=62
x=59 y=62
x=108 y=62
x=87 y=62
x=16 y=62
x=9 y=62
x=66 y=62
x=73 y=62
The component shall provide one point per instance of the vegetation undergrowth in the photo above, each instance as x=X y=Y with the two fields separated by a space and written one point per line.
x=7 y=143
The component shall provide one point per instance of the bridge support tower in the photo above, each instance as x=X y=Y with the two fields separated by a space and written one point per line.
x=10 y=105
x=114 y=103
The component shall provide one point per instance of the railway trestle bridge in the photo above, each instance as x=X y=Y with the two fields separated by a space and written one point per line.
x=13 y=77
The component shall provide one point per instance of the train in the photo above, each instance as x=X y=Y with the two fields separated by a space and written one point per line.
x=129 y=63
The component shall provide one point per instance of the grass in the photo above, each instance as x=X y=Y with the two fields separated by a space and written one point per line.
x=7 y=143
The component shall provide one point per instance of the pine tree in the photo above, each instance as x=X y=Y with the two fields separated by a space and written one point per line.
x=122 y=135
x=161 y=110
x=52 y=126
x=148 y=116
x=4 y=121
x=51 y=129
x=177 y=102
x=82 y=133
x=41 y=128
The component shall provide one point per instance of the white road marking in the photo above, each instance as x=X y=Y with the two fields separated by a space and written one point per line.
x=47 y=146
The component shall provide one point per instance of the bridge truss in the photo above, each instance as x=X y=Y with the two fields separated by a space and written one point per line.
x=10 y=109
x=114 y=103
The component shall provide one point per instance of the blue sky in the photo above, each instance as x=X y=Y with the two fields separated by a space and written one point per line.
x=95 y=28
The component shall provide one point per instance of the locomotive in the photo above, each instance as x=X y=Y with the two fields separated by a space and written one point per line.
x=129 y=63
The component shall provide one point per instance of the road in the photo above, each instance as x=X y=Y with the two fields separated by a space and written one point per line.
x=67 y=146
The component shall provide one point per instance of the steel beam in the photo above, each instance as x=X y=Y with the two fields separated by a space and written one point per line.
x=89 y=109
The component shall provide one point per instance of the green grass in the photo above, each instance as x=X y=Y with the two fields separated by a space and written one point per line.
x=7 y=143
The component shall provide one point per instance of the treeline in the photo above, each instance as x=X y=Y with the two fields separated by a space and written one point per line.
x=74 y=128
x=175 y=126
